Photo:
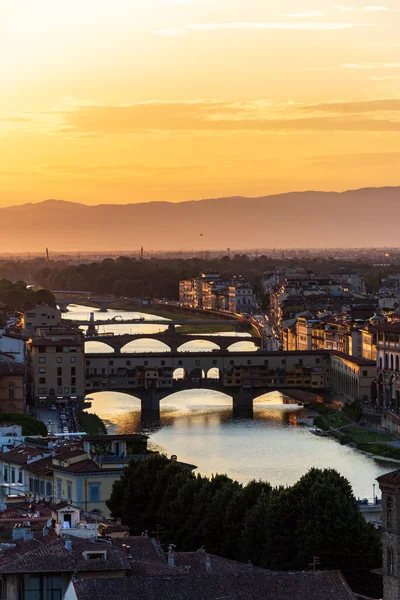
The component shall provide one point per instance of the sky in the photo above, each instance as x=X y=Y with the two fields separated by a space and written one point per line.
x=148 y=100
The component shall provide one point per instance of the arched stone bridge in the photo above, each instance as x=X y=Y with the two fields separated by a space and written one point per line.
x=173 y=341
x=242 y=375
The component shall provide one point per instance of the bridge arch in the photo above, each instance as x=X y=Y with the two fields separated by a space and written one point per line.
x=214 y=373
x=192 y=398
x=198 y=346
x=242 y=346
x=145 y=344
x=94 y=347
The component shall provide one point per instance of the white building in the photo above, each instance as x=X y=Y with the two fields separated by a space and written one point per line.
x=12 y=346
x=241 y=298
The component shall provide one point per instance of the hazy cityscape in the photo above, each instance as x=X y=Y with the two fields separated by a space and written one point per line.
x=199 y=300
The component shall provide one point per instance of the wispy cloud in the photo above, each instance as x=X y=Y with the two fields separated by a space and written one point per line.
x=372 y=65
x=375 y=9
x=302 y=15
x=206 y=116
x=260 y=26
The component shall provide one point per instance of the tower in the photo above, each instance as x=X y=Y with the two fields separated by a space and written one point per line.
x=390 y=487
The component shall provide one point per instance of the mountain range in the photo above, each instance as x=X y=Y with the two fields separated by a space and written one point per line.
x=367 y=217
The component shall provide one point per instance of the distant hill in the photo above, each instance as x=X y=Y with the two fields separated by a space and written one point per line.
x=365 y=217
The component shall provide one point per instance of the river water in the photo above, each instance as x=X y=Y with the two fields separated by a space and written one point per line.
x=198 y=426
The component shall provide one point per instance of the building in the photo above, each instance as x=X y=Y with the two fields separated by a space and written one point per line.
x=241 y=298
x=40 y=316
x=12 y=345
x=352 y=378
x=388 y=364
x=12 y=387
x=81 y=473
x=390 y=488
x=57 y=363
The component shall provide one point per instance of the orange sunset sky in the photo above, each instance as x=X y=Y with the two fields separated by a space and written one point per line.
x=140 y=100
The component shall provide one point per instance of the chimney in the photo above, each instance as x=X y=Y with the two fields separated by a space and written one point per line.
x=171 y=555
x=68 y=544
x=208 y=564
x=27 y=535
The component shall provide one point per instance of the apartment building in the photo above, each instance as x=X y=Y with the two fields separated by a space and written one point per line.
x=388 y=364
x=210 y=292
x=40 y=316
x=57 y=362
x=12 y=387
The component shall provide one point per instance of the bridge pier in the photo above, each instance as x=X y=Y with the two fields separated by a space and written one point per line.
x=243 y=402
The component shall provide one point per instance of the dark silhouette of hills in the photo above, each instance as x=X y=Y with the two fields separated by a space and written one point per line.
x=355 y=218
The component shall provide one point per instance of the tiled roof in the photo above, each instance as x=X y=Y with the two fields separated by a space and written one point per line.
x=20 y=455
x=83 y=466
x=54 y=557
x=142 y=548
x=392 y=478
x=40 y=467
x=255 y=584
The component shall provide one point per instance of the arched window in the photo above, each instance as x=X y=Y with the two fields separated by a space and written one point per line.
x=386 y=361
x=389 y=505
x=397 y=362
x=380 y=362
x=390 y=561
x=391 y=362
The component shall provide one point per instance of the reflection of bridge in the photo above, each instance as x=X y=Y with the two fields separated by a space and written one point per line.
x=242 y=375
x=173 y=340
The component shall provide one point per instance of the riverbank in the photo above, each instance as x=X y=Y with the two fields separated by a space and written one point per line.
x=343 y=425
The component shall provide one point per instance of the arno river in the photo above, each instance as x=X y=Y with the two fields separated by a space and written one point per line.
x=199 y=428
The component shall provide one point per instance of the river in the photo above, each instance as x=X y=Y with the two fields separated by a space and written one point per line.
x=198 y=426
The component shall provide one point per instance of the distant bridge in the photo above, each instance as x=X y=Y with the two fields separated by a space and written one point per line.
x=173 y=340
x=64 y=299
x=242 y=375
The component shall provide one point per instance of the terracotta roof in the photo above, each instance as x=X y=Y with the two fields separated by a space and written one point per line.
x=41 y=467
x=142 y=548
x=392 y=478
x=20 y=455
x=255 y=584
x=39 y=557
x=83 y=466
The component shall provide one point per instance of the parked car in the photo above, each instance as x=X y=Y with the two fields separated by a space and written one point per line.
x=53 y=407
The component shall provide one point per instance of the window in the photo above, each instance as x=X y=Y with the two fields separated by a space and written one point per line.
x=73 y=381
x=42 y=359
x=180 y=362
x=59 y=371
x=42 y=379
x=42 y=370
x=59 y=381
x=128 y=363
x=249 y=362
x=69 y=491
x=389 y=559
x=283 y=361
x=163 y=362
x=42 y=349
x=12 y=475
x=197 y=362
x=59 y=359
x=73 y=390
x=5 y=474
x=73 y=359
x=111 y=363
x=66 y=390
x=41 y=488
x=146 y=362
x=48 y=489
x=87 y=362
x=59 y=348
x=389 y=505
x=42 y=390
x=11 y=393
x=365 y=373
x=58 y=484
x=59 y=390
x=94 y=492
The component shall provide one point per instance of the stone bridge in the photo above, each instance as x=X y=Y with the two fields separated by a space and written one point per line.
x=63 y=301
x=243 y=376
x=173 y=340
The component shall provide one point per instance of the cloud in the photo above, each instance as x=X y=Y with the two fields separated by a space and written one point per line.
x=370 y=9
x=372 y=65
x=127 y=169
x=217 y=116
x=258 y=26
x=383 y=77
x=301 y=15
x=364 y=106
x=355 y=161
